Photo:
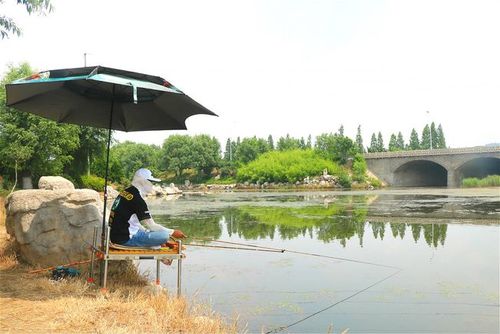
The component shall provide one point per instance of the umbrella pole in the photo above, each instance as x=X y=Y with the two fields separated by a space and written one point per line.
x=103 y=235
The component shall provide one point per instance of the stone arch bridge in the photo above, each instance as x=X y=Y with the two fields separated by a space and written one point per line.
x=434 y=168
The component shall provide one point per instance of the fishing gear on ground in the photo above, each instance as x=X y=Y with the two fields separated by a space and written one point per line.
x=61 y=272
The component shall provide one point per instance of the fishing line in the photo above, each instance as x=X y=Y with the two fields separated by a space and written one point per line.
x=279 y=250
x=282 y=328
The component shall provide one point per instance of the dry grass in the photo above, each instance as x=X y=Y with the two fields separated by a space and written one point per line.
x=34 y=303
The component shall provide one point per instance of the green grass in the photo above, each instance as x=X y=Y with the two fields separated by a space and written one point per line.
x=474 y=182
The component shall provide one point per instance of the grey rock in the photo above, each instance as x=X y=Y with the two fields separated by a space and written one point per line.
x=55 y=183
x=53 y=227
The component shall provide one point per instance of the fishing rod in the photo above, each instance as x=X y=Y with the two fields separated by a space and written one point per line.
x=238 y=248
x=281 y=250
x=54 y=267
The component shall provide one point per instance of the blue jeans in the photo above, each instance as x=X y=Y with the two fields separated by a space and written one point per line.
x=148 y=239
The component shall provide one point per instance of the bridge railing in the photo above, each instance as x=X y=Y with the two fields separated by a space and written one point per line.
x=433 y=152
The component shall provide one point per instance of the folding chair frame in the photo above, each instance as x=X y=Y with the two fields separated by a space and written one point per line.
x=110 y=254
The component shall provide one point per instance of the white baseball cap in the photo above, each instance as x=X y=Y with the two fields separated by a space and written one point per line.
x=146 y=174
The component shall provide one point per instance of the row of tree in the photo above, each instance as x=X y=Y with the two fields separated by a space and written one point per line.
x=432 y=138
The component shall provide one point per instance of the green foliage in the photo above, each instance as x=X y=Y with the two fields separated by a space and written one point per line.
x=373 y=144
x=359 y=140
x=176 y=153
x=359 y=168
x=287 y=166
x=425 y=143
x=434 y=136
x=440 y=140
x=35 y=145
x=393 y=145
x=270 y=142
x=414 y=141
x=7 y=24
x=132 y=156
x=375 y=182
x=250 y=148
x=380 y=143
x=181 y=152
x=335 y=147
x=92 y=147
x=345 y=180
x=400 y=142
x=92 y=182
x=489 y=181
x=206 y=153
x=289 y=143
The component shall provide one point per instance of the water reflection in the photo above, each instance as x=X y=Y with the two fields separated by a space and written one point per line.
x=333 y=221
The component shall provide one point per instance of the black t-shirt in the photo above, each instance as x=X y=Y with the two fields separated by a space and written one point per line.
x=125 y=205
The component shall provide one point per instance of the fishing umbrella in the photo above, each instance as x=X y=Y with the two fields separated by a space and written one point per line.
x=104 y=97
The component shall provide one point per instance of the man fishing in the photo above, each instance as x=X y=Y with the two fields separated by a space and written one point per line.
x=130 y=219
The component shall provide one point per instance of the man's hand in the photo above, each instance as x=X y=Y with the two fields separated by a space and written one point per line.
x=178 y=234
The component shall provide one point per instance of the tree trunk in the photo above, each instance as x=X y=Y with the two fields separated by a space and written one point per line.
x=15 y=180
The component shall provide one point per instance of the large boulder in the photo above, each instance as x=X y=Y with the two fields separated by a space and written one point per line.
x=53 y=227
x=55 y=183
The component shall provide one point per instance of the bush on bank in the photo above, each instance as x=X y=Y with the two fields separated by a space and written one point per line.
x=92 y=182
x=287 y=166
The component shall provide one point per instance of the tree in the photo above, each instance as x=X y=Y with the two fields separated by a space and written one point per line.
x=425 y=144
x=7 y=24
x=309 y=142
x=132 y=156
x=31 y=144
x=341 y=131
x=393 y=145
x=92 y=147
x=288 y=143
x=359 y=140
x=441 y=141
x=400 y=142
x=206 y=153
x=228 y=154
x=176 y=153
x=380 y=143
x=414 y=142
x=270 y=142
x=302 y=143
x=335 y=147
x=373 y=144
x=250 y=148
x=434 y=136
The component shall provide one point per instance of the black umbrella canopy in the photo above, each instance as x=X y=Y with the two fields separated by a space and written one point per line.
x=104 y=97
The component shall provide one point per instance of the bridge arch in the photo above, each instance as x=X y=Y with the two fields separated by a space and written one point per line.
x=420 y=173
x=479 y=167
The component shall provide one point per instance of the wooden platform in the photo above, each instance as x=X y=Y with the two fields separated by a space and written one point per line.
x=120 y=252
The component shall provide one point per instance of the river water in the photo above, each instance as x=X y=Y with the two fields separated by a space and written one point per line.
x=393 y=261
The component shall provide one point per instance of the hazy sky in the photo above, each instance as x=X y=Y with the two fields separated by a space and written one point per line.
x=296 y=67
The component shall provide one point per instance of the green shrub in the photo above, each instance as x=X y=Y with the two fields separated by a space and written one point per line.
x=470 y=182
x=92 y=182
x=359 y=168
x=286 y=166
x=345 y=180
x=375 y=182
x=489 y=181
